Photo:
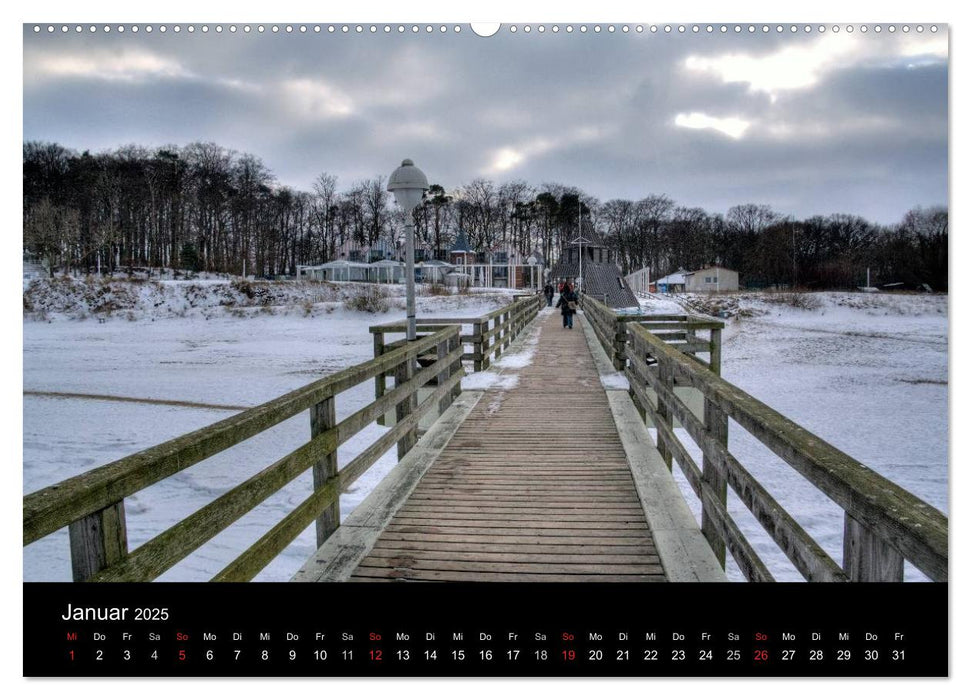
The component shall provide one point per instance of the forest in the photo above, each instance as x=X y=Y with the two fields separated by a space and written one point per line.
x=204 y=207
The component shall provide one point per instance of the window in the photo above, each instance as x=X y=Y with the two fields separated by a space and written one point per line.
x=707 y=280
x=715 y=279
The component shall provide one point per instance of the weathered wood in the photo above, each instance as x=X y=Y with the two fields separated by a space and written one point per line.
x=380 y=382
x=868 y=558
x=163 y=551
x=715 y=351
x=489 y=486
x=807 y=556
x=323 y=417
x=478 y=353
x=403 y=374
x=716 y=426
x=98 y=541
x=906 y=523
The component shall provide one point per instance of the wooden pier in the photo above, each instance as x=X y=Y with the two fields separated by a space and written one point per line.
x=533 y=486
x=550 y=473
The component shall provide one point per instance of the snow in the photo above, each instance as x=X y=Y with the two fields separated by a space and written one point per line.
x=866 y=372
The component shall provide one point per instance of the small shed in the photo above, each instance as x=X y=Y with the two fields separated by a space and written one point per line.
x=712 y=279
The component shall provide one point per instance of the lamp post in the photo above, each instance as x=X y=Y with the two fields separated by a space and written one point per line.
x=408 y=184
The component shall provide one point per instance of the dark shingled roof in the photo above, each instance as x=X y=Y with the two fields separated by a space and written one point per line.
x=600 y=279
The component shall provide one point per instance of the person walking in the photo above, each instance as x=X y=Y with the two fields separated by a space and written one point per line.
x=568 y=304
x=548 y=291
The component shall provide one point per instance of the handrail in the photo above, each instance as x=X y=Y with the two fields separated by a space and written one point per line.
x=884 y=523
x=92 y=504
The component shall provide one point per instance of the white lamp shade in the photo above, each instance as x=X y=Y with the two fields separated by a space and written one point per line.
x=408 y=184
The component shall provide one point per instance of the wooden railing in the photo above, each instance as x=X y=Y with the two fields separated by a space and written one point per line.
x=490 y=334
x=884 y=524
x=680 y=330
x=91 y=505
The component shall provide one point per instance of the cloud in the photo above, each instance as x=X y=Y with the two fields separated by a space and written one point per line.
x=801 y=66
x=730 y=126
x=316 y=100
x=130 y=65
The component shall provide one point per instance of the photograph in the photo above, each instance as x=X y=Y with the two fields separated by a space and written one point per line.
x=529 y=309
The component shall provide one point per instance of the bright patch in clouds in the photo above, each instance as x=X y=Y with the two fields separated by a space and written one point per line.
x=789 y=68
x=730 y=126
x=801 y=66
x=506 y=159
x=316 y=100
x=127 y=66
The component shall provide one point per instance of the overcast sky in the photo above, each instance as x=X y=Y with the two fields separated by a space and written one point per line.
x=808 y=123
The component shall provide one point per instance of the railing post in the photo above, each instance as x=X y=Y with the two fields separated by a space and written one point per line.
x=453 y=343
x=500 y=329
x=666 y=377
x=402 y=375
x=716 y=425
x=477 y=348
x=323 y=417
x=98 y=541
x=486 y=360
x=715 y=352
x=441 y=352
x=380 y=381
x=866 y=557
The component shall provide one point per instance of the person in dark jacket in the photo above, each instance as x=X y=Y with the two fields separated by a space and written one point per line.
x=568 y=303
x=548 y=291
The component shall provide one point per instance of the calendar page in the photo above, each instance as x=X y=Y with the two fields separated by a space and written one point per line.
x=526 y=349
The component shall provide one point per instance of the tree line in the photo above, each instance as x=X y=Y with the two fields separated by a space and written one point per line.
x=205 y=207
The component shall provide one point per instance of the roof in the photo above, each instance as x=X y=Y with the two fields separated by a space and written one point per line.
x=461 y=244
x=600 y=280
x=710 y=267
x=434 y=263
x=387 y=263
x=674 y=277
x=338 y=263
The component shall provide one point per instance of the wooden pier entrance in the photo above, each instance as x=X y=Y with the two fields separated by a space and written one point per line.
x=533 y=486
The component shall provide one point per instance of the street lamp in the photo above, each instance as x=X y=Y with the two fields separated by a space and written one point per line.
x=408 y=184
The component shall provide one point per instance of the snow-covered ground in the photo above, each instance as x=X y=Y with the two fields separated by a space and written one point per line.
x=212 y=356
x=866 y=372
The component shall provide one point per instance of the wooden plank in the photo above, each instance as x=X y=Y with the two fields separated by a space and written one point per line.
x=487 y=576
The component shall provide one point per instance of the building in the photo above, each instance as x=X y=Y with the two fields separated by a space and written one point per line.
x=335 y=271
x=711 y=279
x=601 y=277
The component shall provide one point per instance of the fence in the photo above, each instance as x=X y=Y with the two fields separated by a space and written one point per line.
x=91 y=505
x=884 y=525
